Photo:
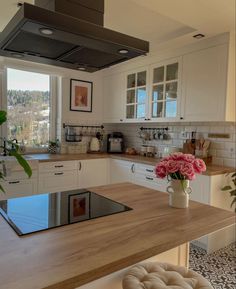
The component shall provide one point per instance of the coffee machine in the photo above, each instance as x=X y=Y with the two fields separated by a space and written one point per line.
x=115 y=142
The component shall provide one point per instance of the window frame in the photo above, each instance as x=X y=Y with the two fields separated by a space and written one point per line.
x=53 y=103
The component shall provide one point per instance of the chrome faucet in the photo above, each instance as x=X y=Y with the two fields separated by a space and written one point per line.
x=13 y=142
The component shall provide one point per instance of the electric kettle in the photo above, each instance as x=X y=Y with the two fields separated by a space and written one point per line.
x=94 y=145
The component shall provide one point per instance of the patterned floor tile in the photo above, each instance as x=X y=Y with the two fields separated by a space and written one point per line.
x=219 y=267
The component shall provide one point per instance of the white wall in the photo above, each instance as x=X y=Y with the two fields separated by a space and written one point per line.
x=96 y=116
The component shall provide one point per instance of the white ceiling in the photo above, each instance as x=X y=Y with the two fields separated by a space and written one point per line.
x=158 y=21
x=7 y=10
x=209 y=16
x=142 y=22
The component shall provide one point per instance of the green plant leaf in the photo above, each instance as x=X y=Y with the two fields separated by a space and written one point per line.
x=226 y=188
x=1 y=189
x=22 y=162
x=233 y=193
x=3 y=116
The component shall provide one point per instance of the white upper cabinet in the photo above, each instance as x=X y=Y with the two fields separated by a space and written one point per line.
x=114 y=98
x=136 y=92
x=195 y=83
x=204 y=84
x=165 y=90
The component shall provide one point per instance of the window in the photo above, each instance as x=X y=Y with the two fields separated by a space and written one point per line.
x=29 y=107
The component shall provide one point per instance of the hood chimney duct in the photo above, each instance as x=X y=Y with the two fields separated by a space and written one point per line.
x=88 y=10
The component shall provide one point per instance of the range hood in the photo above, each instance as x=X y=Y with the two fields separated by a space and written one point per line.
x=68 y=33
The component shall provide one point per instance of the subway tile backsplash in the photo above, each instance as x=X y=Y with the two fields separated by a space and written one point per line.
x=223 y=151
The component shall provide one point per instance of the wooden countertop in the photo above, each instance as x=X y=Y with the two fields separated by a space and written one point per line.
x=66 y=157
x=70 y=256
x=211 y=169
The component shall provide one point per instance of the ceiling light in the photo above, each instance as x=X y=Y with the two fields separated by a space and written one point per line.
x=123 y=51
x=82 y=68
x=46 y=31
x=199 y=36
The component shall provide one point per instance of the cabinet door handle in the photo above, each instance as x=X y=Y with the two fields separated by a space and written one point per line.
x=58 y=174
x=13 y=182
x=132 y=168
x=80 y=166
x=149 y=170
x=181 y=117
x=59 y=166
x=121 y=119
x=150 y=179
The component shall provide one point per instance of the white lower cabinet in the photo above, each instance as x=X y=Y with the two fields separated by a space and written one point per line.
x=19 y=188
x=121 y=171
x=140 y=174
x=17 y=184
x=93 y=173
x=57 y=176
x=145 y=176
x=51 y=182
x=207 y=190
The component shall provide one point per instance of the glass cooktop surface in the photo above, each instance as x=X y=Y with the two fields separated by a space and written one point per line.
x=41 y=212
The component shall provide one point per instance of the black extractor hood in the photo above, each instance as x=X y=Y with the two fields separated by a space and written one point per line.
x=67 y=33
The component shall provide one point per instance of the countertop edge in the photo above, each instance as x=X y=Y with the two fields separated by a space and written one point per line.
x=212 y=170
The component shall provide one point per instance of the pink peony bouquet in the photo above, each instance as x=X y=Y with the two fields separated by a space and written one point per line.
x=180 y=166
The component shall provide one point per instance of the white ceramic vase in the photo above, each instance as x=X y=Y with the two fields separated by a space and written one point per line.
x=179 y=193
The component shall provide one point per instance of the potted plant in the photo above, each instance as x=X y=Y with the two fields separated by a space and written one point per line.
x=12 y=151
x=231 y=188
x=179 y=169
x=53 y=146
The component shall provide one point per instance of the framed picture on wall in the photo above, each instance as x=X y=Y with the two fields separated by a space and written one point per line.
x=79 y=207
x=81 y=93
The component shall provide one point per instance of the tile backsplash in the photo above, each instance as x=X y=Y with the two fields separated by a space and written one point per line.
x=223 y=150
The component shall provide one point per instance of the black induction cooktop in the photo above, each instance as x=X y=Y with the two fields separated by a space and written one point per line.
x=31 y=214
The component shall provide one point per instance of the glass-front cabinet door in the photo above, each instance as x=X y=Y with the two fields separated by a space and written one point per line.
x=136 y=95
x=165 y=90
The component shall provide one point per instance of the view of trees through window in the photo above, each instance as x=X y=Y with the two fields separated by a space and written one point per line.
x=28 y=107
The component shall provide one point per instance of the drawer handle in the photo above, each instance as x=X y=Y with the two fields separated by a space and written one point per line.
x=132 y=168
x=149 y=170
x=80 y=166
x=58 y=174
x=148 y=178
x=14 y=182
x=60 y=166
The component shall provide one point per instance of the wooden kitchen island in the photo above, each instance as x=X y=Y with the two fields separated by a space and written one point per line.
x=71 y=256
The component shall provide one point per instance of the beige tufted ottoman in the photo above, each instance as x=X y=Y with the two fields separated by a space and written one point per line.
x=163 y=276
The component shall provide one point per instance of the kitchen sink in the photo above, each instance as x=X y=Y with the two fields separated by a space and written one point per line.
x=11 y=158
x=11 y=165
